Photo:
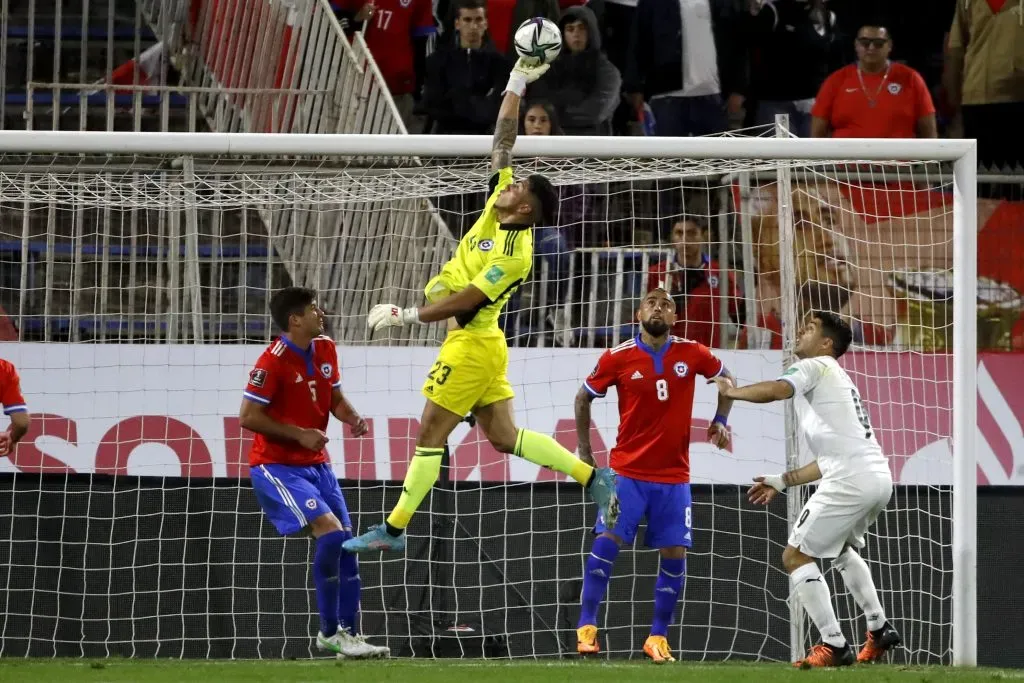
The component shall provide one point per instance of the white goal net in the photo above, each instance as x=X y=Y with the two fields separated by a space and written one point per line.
x=134 y=290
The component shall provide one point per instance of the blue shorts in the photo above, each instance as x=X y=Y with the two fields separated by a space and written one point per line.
x=292 y=497
x=666 y=507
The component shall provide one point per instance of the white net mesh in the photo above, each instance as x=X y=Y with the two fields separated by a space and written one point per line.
x=139 y=539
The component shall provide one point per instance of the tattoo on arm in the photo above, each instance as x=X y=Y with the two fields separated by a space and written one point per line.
x=504 y=139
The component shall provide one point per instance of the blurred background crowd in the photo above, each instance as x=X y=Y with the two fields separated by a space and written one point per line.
x=874 y=247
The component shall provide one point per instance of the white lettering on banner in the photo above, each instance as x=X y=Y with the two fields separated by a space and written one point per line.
x=172 y=411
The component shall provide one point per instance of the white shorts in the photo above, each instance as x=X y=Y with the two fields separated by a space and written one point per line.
x=839 y=514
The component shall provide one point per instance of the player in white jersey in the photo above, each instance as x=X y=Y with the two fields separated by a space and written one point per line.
x=855 y=487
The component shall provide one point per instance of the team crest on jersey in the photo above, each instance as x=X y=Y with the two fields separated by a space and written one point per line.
x=311 y=503
x=713 y=281
x=257 y=377
x=405 y=3
x=485 y=245
x=894 y=88
x=325 y=370
x=681 y=369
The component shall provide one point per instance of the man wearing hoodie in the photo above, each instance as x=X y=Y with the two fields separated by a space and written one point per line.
x=582 y=83
x=465 y=79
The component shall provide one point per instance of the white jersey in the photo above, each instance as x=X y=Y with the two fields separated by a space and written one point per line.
x=837 y=427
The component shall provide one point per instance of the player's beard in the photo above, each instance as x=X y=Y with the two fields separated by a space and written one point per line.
x=655 y=328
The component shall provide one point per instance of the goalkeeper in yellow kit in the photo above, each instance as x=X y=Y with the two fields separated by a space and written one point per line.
x=470 y=374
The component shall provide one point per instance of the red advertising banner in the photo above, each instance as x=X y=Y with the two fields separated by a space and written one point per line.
x=172 y=411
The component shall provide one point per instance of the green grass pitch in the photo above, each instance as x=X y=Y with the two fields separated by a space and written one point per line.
x=457 y=671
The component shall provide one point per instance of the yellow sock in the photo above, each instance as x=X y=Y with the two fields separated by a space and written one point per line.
x=546 y=452
x=423 y=471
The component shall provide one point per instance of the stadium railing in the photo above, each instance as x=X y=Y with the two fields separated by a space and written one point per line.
x=300 y=74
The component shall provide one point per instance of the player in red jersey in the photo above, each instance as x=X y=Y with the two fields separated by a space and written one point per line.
x=293 y=390
x=396 y=33
x=654 y=375
x=14 y=407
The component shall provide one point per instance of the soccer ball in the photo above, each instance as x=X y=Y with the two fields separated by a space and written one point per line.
x=538 y=40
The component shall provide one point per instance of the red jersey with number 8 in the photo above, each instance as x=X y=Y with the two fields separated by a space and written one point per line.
x=296 y=386
x=655 y=391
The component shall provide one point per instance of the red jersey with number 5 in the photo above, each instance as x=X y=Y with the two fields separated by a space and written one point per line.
x=655 y=391
x=10 y=389
x=296 y=386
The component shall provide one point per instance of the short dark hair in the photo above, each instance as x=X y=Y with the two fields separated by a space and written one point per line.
x=835 y=328
x=288 y=302
x=880 y=25
x=663 y=291
x=468 y=4
x=547 y=200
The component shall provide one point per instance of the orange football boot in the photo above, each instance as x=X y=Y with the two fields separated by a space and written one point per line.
x=586 y=640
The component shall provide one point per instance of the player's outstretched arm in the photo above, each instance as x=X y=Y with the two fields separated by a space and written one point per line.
x=253 y=416
x=344 y=411
x=767 y=486
x=582 y=408
x=507 y=125
x=762 y=392
x=389 y=315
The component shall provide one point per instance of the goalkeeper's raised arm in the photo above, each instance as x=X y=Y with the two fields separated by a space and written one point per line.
x=507 y=125
x=493 y=258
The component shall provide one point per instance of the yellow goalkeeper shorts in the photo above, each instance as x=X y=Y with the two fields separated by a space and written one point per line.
x=470 y=372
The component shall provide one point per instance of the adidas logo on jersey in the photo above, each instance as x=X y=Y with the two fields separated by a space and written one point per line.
x=298 y=378
x=637 y=375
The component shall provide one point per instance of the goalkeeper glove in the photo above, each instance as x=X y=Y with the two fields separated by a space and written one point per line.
x=389 y=315
x=773 y=480
x=524 y=73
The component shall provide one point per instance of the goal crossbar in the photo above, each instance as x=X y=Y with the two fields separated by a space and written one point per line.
x=277 y=144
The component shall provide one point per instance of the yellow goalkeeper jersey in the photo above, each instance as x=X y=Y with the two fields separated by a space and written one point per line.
x=492 y=257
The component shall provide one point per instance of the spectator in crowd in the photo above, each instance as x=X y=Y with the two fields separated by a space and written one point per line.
x=683 y=56
x=396 y=33
x=462 y=92
x=540 y=118
x=693 y=279
x=985 y=76
x=920 y=25
x=874 y=98
x=595 y=6
x=583 y=85
x=794 y=47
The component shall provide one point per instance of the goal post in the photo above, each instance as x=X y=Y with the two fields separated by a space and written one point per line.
x=965 y=408
x=356 y=216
